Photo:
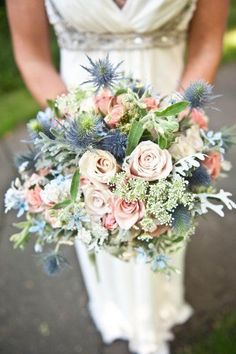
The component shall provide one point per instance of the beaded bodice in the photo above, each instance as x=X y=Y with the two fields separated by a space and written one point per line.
x=102 y=25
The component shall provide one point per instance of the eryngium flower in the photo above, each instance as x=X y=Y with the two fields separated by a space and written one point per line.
x=102 y=73
x=181 y=219
x=200 y=177
x=84 y=132
x=45 y=120
x=27 y=160
x=199 y=94
x=54 y=263
x=115 y=142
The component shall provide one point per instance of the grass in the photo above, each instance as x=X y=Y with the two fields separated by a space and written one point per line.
x=221 y=338
x=16 y=105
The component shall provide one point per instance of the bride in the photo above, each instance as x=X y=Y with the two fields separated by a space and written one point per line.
x=127 y=300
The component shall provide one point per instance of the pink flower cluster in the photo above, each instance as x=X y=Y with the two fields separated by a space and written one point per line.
x=147 y=161
x=113 y=109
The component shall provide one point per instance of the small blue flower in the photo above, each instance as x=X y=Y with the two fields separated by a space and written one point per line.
x=199 y=94
x=76 y=221
x=37 y=227
x=102 y=73
x=159 y=263
x=14 y=199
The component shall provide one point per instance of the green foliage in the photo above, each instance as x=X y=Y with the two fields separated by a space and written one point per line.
x=21 y=238
x=219 y=338
x=75 y=185
x=134 y=136
x=172 y=110
x=162 y=129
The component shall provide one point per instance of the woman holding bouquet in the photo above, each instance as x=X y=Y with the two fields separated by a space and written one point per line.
x=128 y=301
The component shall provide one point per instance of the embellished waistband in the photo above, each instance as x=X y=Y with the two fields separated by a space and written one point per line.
x=89 y=41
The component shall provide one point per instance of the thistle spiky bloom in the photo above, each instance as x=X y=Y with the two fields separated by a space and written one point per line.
x=115 y=142
x=103 y=74
x=83 y=132
x=199 y=177
x=54 y=263
x=199 y=94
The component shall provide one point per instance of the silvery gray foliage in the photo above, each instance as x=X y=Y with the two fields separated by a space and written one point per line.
x=206 y=202
x=213 y=140
x=184 y=165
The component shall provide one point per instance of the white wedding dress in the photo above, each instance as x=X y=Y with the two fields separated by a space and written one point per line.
x=127 y=300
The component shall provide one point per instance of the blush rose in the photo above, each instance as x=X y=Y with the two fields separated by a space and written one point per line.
x=98 y=165
x=127 y=213
x=149 y=162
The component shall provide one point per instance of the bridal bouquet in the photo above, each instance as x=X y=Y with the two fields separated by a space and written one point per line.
x=120 y=168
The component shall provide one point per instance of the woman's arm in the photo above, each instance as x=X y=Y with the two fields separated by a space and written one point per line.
x=205 y=41
x=29 y=29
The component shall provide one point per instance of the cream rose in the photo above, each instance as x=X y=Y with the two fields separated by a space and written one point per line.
x=149 y=162
x=187 y=145
x=98 y=165
x=97 y=199
x=126 y=213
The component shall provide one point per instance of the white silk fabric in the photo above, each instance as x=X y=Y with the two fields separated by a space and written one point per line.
x=127 y=300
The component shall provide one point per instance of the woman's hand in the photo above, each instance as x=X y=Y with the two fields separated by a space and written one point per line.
x=30 y=36
x=205 y=41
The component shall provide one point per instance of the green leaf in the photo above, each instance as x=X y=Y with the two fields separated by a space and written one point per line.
x=75 y=185
x=120 y=91
x=63 y=204
x=21 y=238
x=135 y=134
x=173 y=109
x=178 y=239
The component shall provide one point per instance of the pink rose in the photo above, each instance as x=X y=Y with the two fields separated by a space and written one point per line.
x=109 y=222
x=213 y=164
x=199 y=118
x=151 y=103
x=97 y=199
x=104 y=101
x=149 y=162
x=127 y=213
x=114 y=116
x=34 y=199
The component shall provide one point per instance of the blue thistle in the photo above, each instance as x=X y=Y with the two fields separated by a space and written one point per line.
x=79 y=140
x=181 y=219
x=115 y=142
x=199 y=177
x=199 y=94
x=102 y=73
x=28 y=159
x=54 y=263
x=45 y=120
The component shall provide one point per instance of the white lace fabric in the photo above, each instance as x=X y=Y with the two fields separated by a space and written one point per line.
x=127 y=300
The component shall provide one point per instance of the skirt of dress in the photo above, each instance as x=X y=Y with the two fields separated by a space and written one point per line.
x=128 y=301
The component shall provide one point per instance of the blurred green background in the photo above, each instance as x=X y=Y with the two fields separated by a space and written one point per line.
x=16 y=104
